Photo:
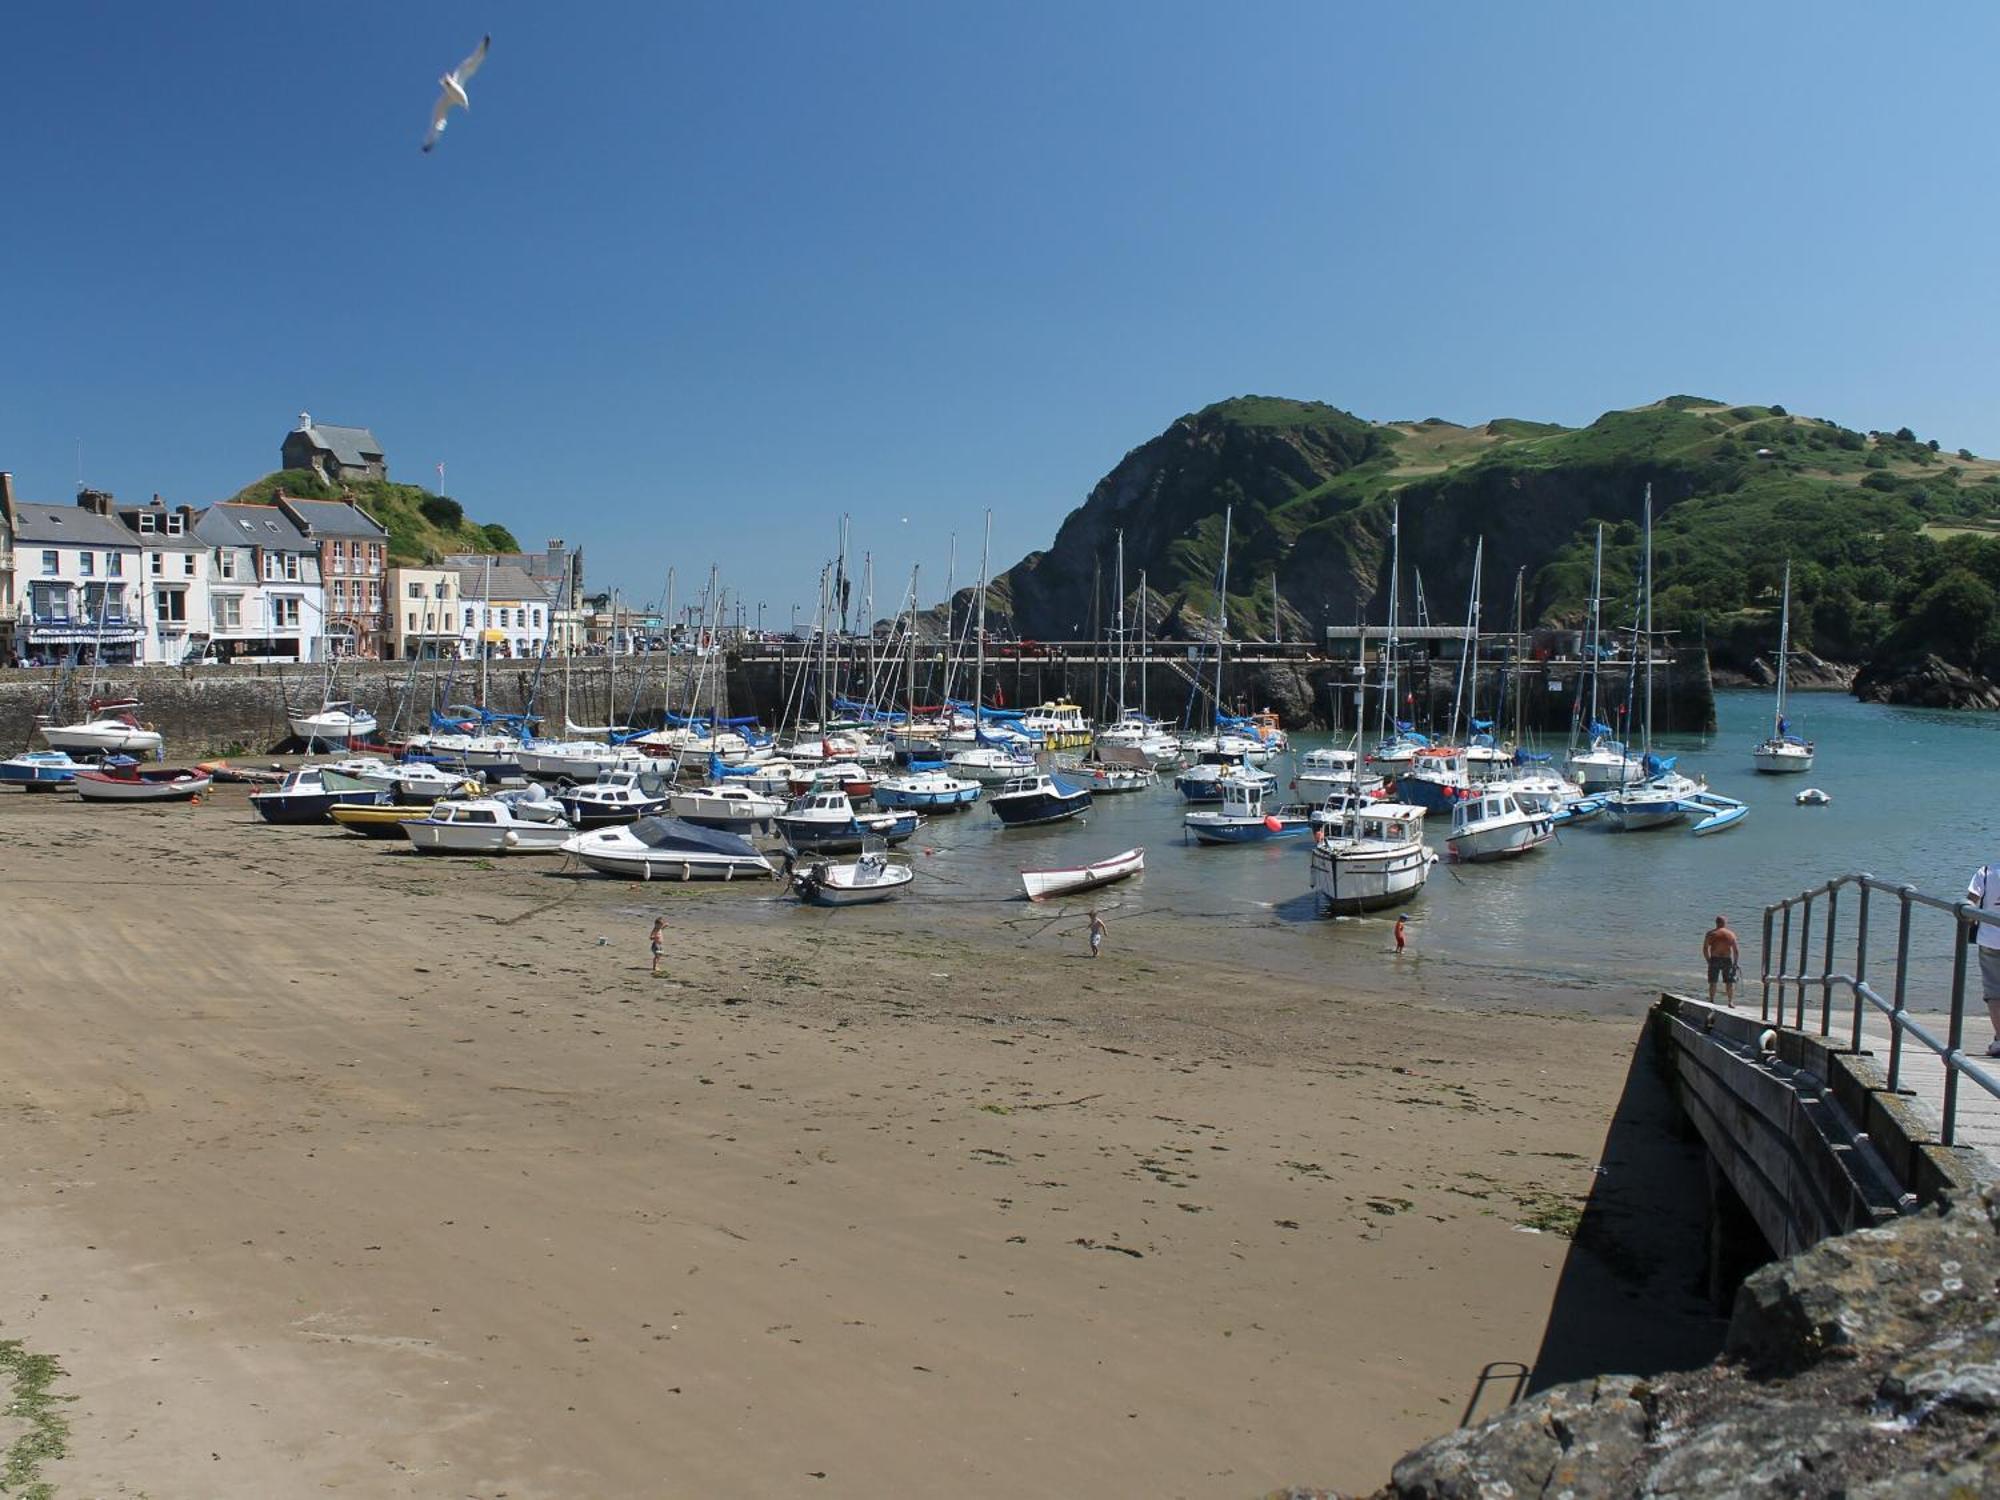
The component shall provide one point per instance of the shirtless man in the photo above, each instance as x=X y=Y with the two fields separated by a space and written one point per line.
x=1719 y=947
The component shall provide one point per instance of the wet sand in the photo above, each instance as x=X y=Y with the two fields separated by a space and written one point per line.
x=328 y=1167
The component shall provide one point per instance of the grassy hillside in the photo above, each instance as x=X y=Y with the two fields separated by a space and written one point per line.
x=1895 y=542
x=422 y=526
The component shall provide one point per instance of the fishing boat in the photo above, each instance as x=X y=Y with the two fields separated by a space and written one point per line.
x=1494 y=825
x=668 y=849
x=522 y=822
x=1059 y=725
x=1068 y=881
x=40 y=770
x=1203 y=781
x=1244 y=819
x=1377 y=858
x=1437 y=779
x=119 y=779
x=1334 y=768
x=1029 y=801
x=928 y=790
x=870 y=877
x=113 y=728
x=1784 y=753
x=336 y=723
x=727 y=806
x=617 y=797
x=310 y=793
x=826 y=822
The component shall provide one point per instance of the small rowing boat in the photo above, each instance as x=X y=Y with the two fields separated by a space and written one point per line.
x=1042 y=884
x=121 y=780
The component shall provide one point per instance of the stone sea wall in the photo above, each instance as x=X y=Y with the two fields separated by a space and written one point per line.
x=1867 y=1368
x=205 y=711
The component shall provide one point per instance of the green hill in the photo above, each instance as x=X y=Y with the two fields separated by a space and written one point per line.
x=422 y=526
x=1895 y=544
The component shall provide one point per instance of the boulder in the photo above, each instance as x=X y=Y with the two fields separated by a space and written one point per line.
x=1574 y=1439
x=1927 y=681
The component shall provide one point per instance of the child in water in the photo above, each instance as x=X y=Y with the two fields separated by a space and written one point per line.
x=1402 y=938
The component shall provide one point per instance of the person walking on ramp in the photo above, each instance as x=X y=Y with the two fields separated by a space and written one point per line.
x=1984 y=893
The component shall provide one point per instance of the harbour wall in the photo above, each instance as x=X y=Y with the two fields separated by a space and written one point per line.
x=243 y=708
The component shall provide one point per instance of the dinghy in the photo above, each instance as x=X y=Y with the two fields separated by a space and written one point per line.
x=40 y=770
x=1042 y=884
x=871 y=877
x=1812 y=796
x=119 y=779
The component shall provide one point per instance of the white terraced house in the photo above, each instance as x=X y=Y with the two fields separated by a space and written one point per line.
x=503 y=612
x=266 y=602
x=78 y=581
x=173 y=571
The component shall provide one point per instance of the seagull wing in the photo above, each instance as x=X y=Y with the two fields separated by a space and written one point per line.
x=471 y=65
x=440 y=117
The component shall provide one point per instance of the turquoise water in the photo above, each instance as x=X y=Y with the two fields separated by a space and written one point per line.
x=1598 y=910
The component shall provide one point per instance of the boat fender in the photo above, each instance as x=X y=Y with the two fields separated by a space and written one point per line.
x=1271 y=822
x=510 y=838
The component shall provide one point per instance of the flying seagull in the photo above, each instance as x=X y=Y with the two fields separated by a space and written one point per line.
x=453 y=84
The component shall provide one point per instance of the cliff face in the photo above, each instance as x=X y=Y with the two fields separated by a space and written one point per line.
x=1880 y=528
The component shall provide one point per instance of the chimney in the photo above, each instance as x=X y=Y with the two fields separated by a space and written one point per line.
x=97 y=502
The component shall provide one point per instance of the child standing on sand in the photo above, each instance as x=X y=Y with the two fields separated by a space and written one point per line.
x=1096 y=933
x=658 y=939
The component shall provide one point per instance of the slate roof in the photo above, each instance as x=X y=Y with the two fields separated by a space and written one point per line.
x=337 y=518
x=348 y=445
x=68 y=526
x=509 y=582
x=228 y=523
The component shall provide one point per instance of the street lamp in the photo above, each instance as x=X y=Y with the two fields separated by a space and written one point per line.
x=760 y=617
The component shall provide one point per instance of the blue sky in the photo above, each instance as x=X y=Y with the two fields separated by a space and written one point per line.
x=691 y=281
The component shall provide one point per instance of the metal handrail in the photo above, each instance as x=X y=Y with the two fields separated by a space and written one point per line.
x=1949 y=1049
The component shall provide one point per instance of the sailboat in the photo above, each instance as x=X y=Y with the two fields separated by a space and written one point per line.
x=989 y=760
x=1603 y=763
x=1394 y=751
x=339 y=721
x=1784 y=752
x=1651 y=802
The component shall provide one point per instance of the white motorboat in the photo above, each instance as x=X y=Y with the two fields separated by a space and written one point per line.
x=668 y=849
x=1377 y=858
x=870 y=877
x=1108 y=780
x=617 y=797
x=335 y=724
x=119 y=779
x=728 y=805
x=523 y=822
x=1606 y=766
x=930 y=791
x=113 y=730
x=1784 y=753
x=1244 y=819
x=1332 y=769
x=1494 y=825
x=990 y=765
x=1068 y=881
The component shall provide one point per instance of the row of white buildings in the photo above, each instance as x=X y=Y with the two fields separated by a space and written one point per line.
x=297 y=580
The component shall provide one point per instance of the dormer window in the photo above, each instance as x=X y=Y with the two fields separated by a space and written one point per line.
x=147 y=523
x=176 y=525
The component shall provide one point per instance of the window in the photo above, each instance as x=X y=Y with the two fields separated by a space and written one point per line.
x=416 y=590
x=176 y=525
x=273 y=570
x=50 y=601
x=228 y=612
x=292 y=568
x=170 y=606
x=225 y=564
x=339 y=592
x=187 y=565
x=159 y=562
x=413 y=622
x=374 y=557
x=147 y=522
x=114 y=565
x=340 y=555
x=374 y=598
x=538 y=619
x=51 y=564
x=284 y=614
x=86 y=563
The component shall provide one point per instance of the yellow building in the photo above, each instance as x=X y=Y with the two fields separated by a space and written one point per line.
x=423 y=607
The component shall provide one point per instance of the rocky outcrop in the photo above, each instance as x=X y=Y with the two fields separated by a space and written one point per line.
x=1806 y=674
x=1926 y=681
x=1867 y=1367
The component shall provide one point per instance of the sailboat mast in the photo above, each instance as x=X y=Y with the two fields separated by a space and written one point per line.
x=979 y=628
x=1121 y=623
x=1143 y=610
x=1596 y=620
x=1520 y=695
x=486 y=619
x=910 y=673
x=1467 y=651
x=1649 y=619
x=1222 y=611
x=1784 y=649
x=1389 y=640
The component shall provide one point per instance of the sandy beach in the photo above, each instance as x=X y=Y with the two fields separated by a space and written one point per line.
x=333 y=1168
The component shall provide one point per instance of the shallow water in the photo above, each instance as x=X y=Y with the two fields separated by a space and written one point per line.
x=1597 y=910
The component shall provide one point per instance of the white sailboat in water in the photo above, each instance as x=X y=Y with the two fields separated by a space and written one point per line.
x=1784 y=752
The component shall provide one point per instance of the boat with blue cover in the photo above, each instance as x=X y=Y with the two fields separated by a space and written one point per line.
x=927 y=787
x=310 y=794
x=826 y=822
x=1244 y=819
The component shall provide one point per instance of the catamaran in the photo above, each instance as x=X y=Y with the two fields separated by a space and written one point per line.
x=1784 y=752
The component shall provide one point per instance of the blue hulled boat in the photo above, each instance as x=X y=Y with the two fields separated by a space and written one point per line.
x=39 y=770
x=1029 y=800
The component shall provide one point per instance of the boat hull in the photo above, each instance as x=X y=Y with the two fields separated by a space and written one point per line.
x=106 y=738
x=1220 y=828
x=834 y=890
x=673 y=865
x=1500 y=841
x=474 y=838
x=1346 y=880
x=309 y=807
x=156 y=786
x=1635 y=816
x=375 y=820
x=1033 y=812
x=1041 y=885
x=1787 y=761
